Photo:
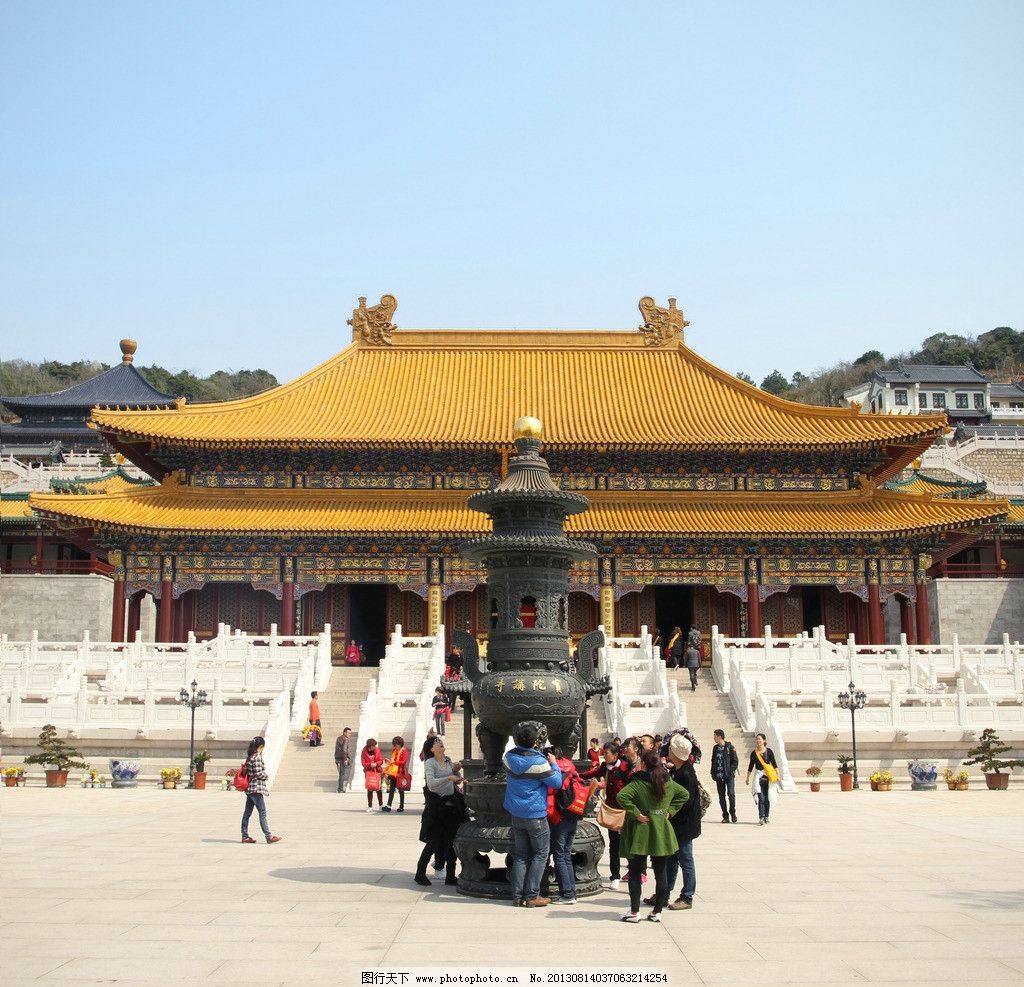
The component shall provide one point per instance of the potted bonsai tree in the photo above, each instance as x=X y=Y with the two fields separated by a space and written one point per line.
x=812 y=772
x=986 y=754
x=845 y=773
x=199 y=778
x=57 y=757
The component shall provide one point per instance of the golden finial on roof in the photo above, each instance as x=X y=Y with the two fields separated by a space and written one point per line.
x=527 y=427
x=916 y=463
x=128 y=348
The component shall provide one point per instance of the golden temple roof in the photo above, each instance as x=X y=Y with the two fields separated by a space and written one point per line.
x=923 y=483
x=455 y=388
x=14 y=508
x=190 y=510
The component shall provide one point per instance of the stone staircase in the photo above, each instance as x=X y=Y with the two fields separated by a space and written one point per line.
x=708 y=710
x=311 y=769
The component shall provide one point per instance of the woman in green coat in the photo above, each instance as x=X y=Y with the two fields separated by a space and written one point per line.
x=650 y=799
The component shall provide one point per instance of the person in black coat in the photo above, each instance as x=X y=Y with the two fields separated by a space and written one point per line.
x=686 y=823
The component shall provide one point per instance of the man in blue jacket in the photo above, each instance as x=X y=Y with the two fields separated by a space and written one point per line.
x=529 y=776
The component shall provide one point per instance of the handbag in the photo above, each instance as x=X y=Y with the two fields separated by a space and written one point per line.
x=613 y=819
x=703 y=798
x=404 y=781
x=447 y=714
x=771 y=773
x=241 y=779
x=372 y=781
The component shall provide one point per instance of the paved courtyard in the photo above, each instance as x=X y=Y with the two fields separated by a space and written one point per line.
x=153 y=886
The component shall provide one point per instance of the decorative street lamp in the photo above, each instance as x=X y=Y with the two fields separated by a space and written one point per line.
x=193 y=702
x=853 y=700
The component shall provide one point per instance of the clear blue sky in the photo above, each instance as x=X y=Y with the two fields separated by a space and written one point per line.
x=222 y=180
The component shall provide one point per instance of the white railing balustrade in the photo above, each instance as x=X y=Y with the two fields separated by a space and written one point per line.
x=916 y=692
x=95 y=686
x=643 y=698
x=398 y=702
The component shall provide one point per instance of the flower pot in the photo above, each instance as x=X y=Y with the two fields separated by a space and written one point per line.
x=124 y=772
x=885 y=787
x=997 y=781
x=815 y=786
x=199 y=781
x=55 y=778
x=846 y=781
x=951 y=785
x=11 y=782
x=961 y=786
x=170 y=784
x=874 y=786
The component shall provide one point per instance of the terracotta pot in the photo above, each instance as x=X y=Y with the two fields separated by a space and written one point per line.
x=170 y=784
x=199 y=781
x=846 y=781
x=874 y=786
x=961 y=786
x=56 y=779
x=951 y=785
x=997 y=781
x=11 y=782
x=815 y=786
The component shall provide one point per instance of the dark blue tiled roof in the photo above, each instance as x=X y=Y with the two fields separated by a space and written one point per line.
x=122 y=386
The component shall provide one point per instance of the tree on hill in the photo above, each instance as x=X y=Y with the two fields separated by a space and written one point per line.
x=775 y=383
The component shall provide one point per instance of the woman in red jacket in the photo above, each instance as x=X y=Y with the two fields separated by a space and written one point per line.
x=394 y=771
x=373 y=765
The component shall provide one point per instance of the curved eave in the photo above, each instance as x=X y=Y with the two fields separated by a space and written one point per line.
x=860 y=514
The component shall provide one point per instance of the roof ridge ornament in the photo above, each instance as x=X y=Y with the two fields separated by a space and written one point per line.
x=661 y=325
x=373 y=326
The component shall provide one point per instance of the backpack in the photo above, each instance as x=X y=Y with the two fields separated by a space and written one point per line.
x=241 y=779
x=573 y=796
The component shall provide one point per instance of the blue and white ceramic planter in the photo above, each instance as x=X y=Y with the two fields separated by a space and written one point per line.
x=922 y=775
x=124 y=772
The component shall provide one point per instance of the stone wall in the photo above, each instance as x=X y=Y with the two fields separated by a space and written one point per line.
x=978 y=611
x=997 y=465
x=59 y=607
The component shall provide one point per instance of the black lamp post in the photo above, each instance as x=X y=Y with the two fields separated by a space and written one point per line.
x=193 y=701
x=853 y=700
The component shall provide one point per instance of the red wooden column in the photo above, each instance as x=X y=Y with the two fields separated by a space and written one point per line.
x=907 y=620
x=134 y=615
x=755 y=628
x=39 y=549
x=117 y=610
x=165 y=629
x=924 y=620
x=288 y=599
x=876 y=623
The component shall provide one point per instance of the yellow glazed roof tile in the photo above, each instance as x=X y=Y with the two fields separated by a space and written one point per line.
x=465 y=388
x=14 y=508
x=174 y=508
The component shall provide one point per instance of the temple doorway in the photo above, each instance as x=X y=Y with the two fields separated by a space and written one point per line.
x=368 y=620
x=673 y=607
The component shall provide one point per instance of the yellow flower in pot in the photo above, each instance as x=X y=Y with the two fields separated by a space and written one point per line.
x=170 y=777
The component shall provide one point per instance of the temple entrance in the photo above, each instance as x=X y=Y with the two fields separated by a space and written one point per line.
x=368 y=620
x=673 y=607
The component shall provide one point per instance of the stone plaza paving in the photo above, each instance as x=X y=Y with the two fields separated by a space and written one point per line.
x=153 y=886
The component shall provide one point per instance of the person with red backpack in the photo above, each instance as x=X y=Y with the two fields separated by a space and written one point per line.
x=566 y=806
